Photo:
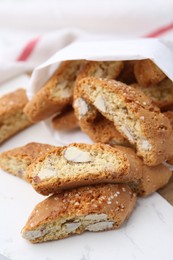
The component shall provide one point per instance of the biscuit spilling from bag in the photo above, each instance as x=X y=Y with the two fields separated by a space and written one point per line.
x=56 y=94
x=134 y=116
x=99 y=208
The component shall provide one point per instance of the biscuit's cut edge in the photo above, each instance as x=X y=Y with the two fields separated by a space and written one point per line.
x=92 y=208
x=80 y=165
x=12 y=117
x=91 y=122
x=56 y=94
x=17 y=160
x=134 y=116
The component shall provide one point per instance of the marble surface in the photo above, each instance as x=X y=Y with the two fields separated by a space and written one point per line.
x=148 y=234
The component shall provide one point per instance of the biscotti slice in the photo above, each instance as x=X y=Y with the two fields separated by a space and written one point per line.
x=92 y=208
x=82 y=164
x=16 y=161
x=91 y=122
x=147 y=73
x=160 y=94
x=134 y=116
x=56 y=94
x=97 y=69
x=12 y=117
x=66 y=121
x=153 y=178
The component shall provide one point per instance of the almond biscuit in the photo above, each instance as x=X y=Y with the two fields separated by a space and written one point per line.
x=95 y=208
x=134 y=116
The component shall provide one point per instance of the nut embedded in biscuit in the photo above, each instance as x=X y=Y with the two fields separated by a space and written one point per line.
x=74 y=154
x=82 y=107
x=81 y=164
x=93 y=208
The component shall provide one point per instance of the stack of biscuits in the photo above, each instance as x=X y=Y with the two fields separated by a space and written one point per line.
x=126 y=108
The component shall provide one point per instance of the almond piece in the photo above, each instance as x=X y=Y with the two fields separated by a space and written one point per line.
x=100 y=103
x=74 y=154
x=82 y=106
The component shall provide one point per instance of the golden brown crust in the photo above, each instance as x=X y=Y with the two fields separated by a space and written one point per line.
x=66 y=121
x=133 y=115
x=12 y=118
x=153 y=178
x=55 y=171
x=113 y=202
x=147 y=73
x=16 y=161
x=56 y=94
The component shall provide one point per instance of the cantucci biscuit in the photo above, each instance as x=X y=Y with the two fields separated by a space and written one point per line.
x=98 y=128
x=12 y=117
x=56 y=94
x=134 y=116
x=17 y=160
x=81 y=164
x=92 y=208
x=147 y=73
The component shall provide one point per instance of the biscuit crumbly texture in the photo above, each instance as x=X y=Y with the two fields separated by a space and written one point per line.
x=66 y=121
x=81 y=164
x=56 y=94
x=134 y=116
x=92 y=208
x=12 y=117
x=17 y=160
x=147 y=73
